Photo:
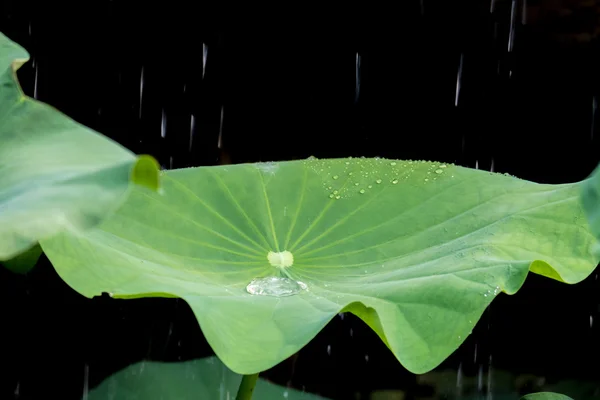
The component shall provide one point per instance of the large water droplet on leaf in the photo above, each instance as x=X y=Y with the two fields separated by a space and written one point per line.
x=275 y=286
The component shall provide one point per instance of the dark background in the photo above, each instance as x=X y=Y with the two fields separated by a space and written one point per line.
x=279 y=83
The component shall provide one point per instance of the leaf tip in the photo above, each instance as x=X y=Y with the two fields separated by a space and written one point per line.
x=146 y=173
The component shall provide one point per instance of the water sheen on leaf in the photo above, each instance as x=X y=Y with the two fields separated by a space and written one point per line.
x=205 y=378
x=55 y=174
x=417 y=250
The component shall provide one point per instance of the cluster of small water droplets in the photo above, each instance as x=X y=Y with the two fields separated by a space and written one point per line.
x=268 y=168
x=360 y=176
x=492 y=293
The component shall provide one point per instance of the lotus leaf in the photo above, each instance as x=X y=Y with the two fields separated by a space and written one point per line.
x=545 y=396
x=416 y=249
x=55 y=174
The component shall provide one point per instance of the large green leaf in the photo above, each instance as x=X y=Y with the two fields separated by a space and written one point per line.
x=416 y=249
x=55 y=174
x=545 y=396
x=205 y=378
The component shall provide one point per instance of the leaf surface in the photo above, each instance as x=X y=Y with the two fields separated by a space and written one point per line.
x=418 y=250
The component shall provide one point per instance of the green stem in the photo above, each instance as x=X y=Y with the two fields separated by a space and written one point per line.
x=247 y=387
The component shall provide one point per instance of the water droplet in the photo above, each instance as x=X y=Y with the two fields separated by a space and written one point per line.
x=395 y=181
x=393 y=163
x=275 y=286
x=335 y=177
x=378 y=181
x=356 y=184
x=331 y=196
x=350 y=173
x=370 y=186
x=426 y=180
x=362 y=191
x=439 y=171
x=337 y=197
x=443 y=165
x=335 y=192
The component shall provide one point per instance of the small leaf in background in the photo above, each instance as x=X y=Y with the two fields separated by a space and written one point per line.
x=55 y=174
x=205 y=378
x=545 y=396
x=267 y=254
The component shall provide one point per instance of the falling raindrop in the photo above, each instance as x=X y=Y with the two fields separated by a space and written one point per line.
x=163 y=124
x=192 y=130
x=204 y=56
x=459 y=380
x=357 y=80
x=328 y=349
x=275 y=286
x=511 y=34
x=220 y=139
x=591 y=321
x=458 y=79
x=35 y=82
x=86 y=375
x=366 y=358
x=141 y=91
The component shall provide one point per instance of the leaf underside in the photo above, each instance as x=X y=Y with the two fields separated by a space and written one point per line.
x=417 y=250
x=55 y=174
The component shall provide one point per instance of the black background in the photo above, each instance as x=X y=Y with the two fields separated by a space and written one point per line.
x=280 y=83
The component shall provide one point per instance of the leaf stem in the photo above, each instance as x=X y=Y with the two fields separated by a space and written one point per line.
x=247 y=387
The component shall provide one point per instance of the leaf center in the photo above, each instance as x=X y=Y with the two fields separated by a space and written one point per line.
x=281 y=259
